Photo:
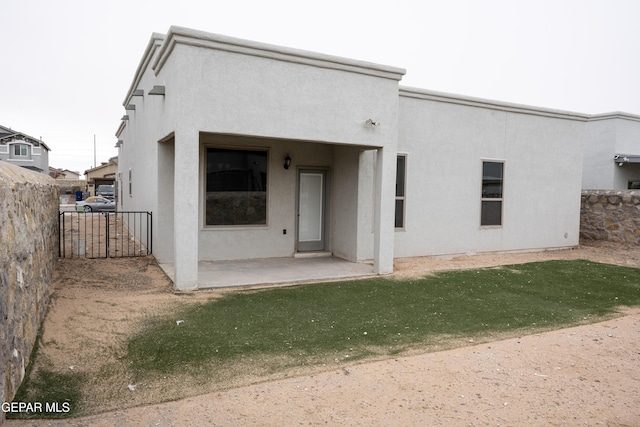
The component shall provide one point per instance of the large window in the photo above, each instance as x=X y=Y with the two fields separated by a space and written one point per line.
x=401 y=176
x=492 y=181
x=20 y=150
x=236 y=187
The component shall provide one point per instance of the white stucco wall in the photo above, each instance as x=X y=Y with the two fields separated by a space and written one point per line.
x=599 y=149
x=143 y=153
x=366 y=201
x=341 y=164
x=345 y=206
x=241 y=242
x=447 y=139
x=289 y=101
x=277 y=92
x=627 y=142
x=164 y=214
x=221 y=91
x=608 y=135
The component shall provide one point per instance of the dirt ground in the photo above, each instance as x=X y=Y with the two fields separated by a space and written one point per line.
x=587 y=375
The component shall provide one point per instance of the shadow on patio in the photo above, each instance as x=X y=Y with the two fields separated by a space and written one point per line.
x=252 y=272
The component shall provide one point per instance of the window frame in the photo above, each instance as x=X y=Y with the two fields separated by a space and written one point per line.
x=20 y=146
x=484 y=199
x=205 y=147
x=403 y=197
x=119 y=187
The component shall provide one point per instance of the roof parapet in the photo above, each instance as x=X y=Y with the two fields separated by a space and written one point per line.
x=614 y=115
x=187 y=36
x=154 y=43
x=410 y=92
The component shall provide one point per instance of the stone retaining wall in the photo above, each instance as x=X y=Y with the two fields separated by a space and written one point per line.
x=611 y=215
x=28 y=254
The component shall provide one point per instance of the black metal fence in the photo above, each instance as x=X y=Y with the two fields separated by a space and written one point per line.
x=105 y=234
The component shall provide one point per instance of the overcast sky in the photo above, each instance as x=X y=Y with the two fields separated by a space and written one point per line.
x=67 y=64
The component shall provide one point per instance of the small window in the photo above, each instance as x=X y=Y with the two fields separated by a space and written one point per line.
x=401 y=177
x=130 y=184
x=236 y=187
x=491 y=200
x=20 y=150
x=633 y=185
x=119 y=185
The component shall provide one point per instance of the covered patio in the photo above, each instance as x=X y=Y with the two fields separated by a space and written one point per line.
x=260 y=152
x=268 y=271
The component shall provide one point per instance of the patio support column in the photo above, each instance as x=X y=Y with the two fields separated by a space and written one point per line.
x=384 y=210
x=185 y=208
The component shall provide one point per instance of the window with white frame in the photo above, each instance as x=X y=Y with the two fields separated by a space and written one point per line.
x=20 y=150
x=236 y=186
x=492 y=189
x=401 y=179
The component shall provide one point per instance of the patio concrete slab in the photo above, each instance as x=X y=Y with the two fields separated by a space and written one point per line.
x=253 y=272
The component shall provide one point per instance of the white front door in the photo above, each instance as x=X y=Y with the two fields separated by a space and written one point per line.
x=311 y=209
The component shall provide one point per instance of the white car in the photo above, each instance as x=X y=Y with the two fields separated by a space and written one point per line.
x=96 y=204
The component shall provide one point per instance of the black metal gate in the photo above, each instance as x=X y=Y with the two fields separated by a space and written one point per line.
x=105 y=234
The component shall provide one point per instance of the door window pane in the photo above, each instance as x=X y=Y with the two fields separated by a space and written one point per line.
x=310 y=207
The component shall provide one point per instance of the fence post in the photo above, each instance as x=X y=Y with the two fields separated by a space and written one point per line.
x=59 y=235
x=106 y=216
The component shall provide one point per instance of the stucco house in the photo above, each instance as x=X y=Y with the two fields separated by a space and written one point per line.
x=63 y=174
x=612 y=152
x=247 y=150
x=23 y=150
x=104 y=174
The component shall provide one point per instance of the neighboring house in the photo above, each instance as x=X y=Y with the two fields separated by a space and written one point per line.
x=71 y=174
x=612 y=152
x=247 y=150
x=23 y=150
x=55 y=173
x=63 y=174
x=105 y=174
